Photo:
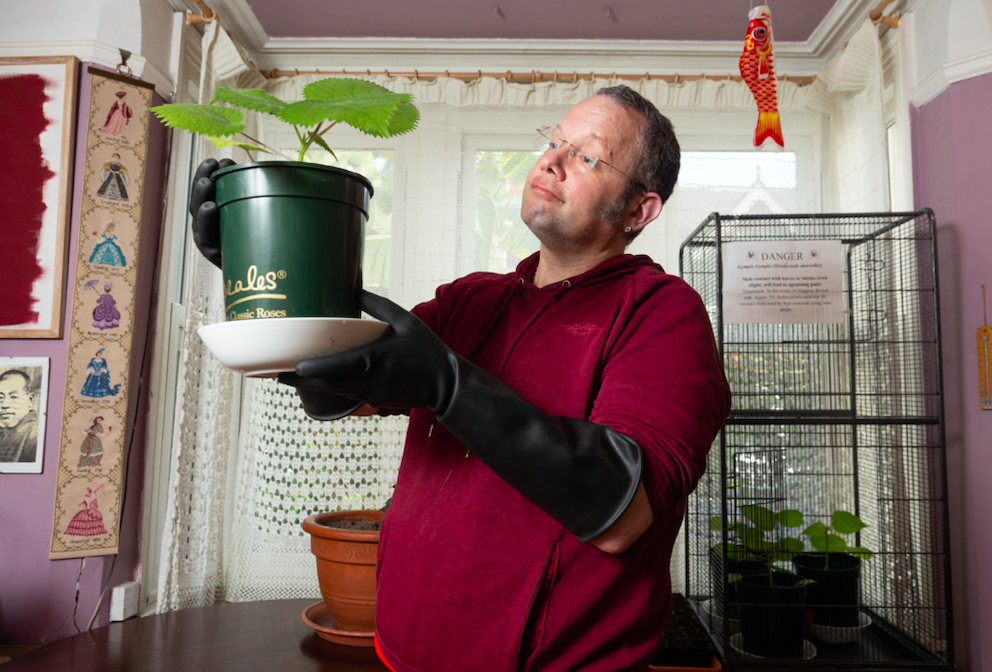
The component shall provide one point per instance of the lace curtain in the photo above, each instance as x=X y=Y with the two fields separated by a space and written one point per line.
x=246 y=470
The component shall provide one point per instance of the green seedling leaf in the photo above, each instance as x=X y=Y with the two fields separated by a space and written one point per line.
x=790 y=517
x=716 y=524
x=818 y=540
x=733 y=578
x=805 y=582
x=860 y=552
x=791 y=544
x=736 y=552
x=222 y=142
x=751 y=537
x=846 y=523
x=204 y=119
x=815 y=528
x=319 y=141
x=250 y=99
x=763 y=519
x=836 y=544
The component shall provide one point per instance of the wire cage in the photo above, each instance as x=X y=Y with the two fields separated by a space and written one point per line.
x=827 y=420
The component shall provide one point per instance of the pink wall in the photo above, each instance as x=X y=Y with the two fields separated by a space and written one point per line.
x=37 y=595
x=952 y=168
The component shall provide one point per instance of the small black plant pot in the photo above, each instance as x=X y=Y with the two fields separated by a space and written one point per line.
x=836 y=596
x=772 y=616
x=742 y=567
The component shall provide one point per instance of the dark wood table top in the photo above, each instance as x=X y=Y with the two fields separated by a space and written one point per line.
x=242 y=636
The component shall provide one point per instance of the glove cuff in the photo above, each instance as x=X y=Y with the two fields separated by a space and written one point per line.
x=583 y=474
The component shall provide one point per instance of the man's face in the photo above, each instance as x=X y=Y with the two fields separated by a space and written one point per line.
x=15 y=401
x=565 y=207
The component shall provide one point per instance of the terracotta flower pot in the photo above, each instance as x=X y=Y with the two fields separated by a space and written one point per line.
x=346 y=567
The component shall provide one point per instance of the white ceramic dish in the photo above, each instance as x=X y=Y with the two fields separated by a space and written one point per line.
x=835 y=635
x=264 y=348
x=708 y=611
x=737 y=644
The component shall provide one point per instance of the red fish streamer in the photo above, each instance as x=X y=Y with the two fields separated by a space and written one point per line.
x=758 y=70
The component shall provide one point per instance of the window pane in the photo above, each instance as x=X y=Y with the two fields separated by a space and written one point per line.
x=377 y=166
x=502 y=240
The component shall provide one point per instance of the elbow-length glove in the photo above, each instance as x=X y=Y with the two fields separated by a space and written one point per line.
x=206 y=235
x=582 y=474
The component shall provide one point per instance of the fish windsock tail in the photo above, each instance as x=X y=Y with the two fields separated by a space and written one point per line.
x=769 y=128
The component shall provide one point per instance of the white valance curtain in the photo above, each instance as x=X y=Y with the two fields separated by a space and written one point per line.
x=245 y=471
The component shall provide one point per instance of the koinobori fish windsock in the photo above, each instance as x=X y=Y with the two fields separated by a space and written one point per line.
x=758 y=70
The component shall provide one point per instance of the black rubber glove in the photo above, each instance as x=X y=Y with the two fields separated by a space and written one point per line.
x=206 y=214
x=582 y=474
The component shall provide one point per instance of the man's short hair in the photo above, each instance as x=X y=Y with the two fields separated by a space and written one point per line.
x=28 y=385
x=655 y=162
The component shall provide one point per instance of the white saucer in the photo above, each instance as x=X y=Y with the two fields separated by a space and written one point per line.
x=837 y=635
x=266 y=347
x=709 y=611
x=737 y=644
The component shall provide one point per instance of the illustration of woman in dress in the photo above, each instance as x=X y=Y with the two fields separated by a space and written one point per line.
x=105 y=315
x=91 y=450
x=118 y=117
x=107 y=252
x=115 y=179
x=89 y=521
x=97 y=383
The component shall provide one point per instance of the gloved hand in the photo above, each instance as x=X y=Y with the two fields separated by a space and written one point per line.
x=206 y=214
x=583 y=474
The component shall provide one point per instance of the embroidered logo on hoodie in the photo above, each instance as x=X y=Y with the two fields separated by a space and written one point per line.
x=582 y=329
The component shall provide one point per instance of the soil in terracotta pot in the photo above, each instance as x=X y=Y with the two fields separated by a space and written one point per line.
x=356 y=525
x=684 y=642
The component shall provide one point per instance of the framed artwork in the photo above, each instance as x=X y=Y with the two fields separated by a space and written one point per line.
x=23 y=410
x=37 y=132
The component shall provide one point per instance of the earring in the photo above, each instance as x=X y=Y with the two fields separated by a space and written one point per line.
x=626 y=229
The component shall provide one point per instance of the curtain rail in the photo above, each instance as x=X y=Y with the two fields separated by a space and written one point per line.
x=532 y=77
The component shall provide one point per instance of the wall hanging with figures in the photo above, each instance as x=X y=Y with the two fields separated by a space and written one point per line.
x=114 y=130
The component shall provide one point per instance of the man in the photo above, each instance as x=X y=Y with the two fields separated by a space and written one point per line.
x=559 y=417
x=18 y=421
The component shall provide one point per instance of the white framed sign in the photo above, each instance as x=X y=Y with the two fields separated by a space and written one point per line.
x=783 y=282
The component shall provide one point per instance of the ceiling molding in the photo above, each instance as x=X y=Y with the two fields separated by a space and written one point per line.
x=92 y=51
x=953 y=71
x=718 y=58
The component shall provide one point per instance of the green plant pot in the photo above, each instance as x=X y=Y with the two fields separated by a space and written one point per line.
x=292 y=237
x=772 y=616
x=743 y=567
x=836 y=596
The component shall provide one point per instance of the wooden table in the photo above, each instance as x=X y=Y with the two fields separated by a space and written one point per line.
x=243 y=636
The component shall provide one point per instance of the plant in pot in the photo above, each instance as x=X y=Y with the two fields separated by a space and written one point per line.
x=730 y=559
x=836 y=569
x=772 y=601
x=291 y=232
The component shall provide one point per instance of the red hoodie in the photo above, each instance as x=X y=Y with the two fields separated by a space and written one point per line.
x=472 y=575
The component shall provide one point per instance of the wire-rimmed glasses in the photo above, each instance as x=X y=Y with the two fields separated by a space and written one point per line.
x=548 y=140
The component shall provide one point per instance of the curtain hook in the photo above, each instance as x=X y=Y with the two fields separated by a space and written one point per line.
x=676 y=80
x=647 y=76
x=556 y=76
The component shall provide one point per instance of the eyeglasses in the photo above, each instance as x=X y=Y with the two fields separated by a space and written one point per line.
x=545 y=140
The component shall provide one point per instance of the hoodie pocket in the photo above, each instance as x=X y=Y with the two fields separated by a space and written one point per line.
x=533 y=632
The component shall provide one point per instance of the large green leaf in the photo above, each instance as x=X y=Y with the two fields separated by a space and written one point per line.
x=363 y=105
x=404 y=119
x=846 y=523
x=790 y=517
x=751 y=537
x=204 y=119
x=791 y=544
x=319 y=141
x=835 y=544
x=861 y=552
x=334 y=88
x=250 y=99
x=716 y=523
x=762 y=518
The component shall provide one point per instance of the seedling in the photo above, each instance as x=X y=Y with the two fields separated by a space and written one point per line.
x=825 y=539
x=750 y=543
x=366 y=106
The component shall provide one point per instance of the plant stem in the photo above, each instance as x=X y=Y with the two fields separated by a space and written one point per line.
x=329 y=127
x=262 y=144
x=309 y=141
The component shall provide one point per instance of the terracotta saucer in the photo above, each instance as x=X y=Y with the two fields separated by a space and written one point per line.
x=319 y=618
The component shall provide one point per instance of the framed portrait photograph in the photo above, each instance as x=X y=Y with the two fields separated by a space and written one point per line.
x=37 y=132
x=23 y=409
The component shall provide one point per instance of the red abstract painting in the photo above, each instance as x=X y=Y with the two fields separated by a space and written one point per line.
x=23 y=173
